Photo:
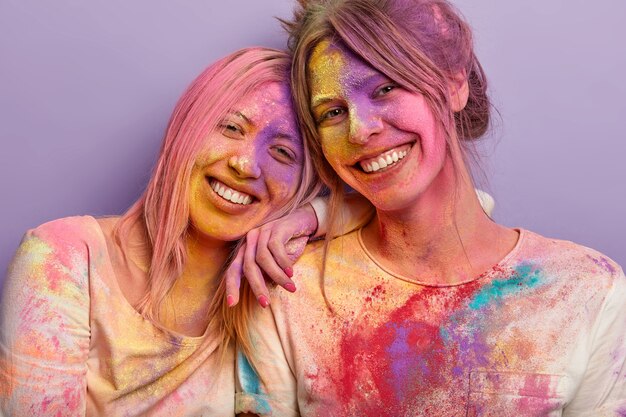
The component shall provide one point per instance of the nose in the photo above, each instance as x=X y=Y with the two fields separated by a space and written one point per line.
x=245 y=164
x=364 y=123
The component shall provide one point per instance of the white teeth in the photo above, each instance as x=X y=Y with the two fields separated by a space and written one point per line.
x=229 y=194
x=383 y=161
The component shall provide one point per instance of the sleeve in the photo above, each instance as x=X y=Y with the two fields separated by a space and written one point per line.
x=266 y=384
x=44 y=328
x=355 y=212
x=602 y=392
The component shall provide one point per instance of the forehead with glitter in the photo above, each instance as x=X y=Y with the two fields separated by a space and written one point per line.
x=334 y=70
x=326 y=69
x=268 y=106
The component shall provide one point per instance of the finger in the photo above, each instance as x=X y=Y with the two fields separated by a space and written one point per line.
x=276 y=245
x=252 y=272
x=267 y=262
x=232 y=277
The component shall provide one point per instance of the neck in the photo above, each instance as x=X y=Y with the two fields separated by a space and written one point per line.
x=205 y=258
x=189 y=301
x=447 y=234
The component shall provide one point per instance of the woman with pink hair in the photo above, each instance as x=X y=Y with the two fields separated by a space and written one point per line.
x=431 y=308
x=127 y=315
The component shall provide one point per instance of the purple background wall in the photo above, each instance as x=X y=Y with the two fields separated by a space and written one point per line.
x=86 y=89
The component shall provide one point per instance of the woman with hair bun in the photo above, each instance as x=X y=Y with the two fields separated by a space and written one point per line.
x=431 y=308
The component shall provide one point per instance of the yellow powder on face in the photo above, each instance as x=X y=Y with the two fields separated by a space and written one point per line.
x=325 y=72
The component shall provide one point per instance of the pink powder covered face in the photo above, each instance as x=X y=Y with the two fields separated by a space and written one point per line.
x=380 y=138
x=250 y=167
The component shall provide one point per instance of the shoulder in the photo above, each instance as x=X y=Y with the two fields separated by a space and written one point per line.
x=566 y=264
x=67 y=229
x=58 y=252
x=341 y=249
x=568 y=256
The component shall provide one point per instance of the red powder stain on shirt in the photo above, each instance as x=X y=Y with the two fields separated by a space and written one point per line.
x=377 y=293
x=403 y=358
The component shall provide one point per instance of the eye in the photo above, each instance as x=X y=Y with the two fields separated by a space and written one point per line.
x=385 y=89
x=283 y=154
x=231 y=130
x=332 y=113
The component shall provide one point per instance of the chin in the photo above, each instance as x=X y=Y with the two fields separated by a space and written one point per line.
x=220 y=230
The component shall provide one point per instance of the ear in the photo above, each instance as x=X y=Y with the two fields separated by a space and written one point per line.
x=459 y=91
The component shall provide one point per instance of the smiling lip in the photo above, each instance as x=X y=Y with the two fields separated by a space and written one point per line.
x=385 y=159
x=229 y=194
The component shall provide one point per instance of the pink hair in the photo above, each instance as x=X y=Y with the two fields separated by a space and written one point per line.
x=163 y=210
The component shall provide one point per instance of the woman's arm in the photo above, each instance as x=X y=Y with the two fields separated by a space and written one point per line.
x=273 y=248
x=602 y=391
x=44 y=326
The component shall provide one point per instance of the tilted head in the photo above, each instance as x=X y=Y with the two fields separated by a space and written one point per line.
x=234 y=111
x=232 y=131
x=422 y=45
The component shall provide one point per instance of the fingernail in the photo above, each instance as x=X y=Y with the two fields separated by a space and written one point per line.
x=230 y=300
x=264 y=301
x=289 y=272
x=290 y=286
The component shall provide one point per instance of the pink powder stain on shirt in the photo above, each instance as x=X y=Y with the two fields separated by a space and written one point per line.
x=538 y=395
x=72 y=398
x=402 y=358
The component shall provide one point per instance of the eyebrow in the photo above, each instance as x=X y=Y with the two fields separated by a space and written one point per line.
x=322 y=99
x=278 y=135
x=241 y=115
x=359 y=83
x=290 y=138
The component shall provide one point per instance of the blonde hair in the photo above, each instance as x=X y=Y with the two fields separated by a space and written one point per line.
x=162 y=212
x=420 y=44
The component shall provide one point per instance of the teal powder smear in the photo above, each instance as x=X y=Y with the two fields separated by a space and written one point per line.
x=525 y=277
x=251 y=384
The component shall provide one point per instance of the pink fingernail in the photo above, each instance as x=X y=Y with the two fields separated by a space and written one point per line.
x=289 y=272
x=290 y=286
x=230 y=300
x=264 y=301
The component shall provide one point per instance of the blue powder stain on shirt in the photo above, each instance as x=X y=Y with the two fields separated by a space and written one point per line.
x=251 y=384
x=525 y=277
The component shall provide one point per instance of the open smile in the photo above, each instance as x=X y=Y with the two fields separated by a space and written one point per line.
x=229 y=194
x=385 y=160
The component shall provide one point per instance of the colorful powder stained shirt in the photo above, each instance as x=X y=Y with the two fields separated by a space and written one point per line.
x=540 y=334
x=72 y=345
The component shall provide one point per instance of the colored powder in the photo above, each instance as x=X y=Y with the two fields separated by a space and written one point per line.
x=603 y=263
x=251 y=384
x=525 y=277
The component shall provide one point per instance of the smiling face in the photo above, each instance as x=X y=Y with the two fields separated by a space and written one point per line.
x=381 y=139
x=249 y=167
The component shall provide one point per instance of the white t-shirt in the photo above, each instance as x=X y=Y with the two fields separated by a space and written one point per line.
x=542 y=333
x=72 y=345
